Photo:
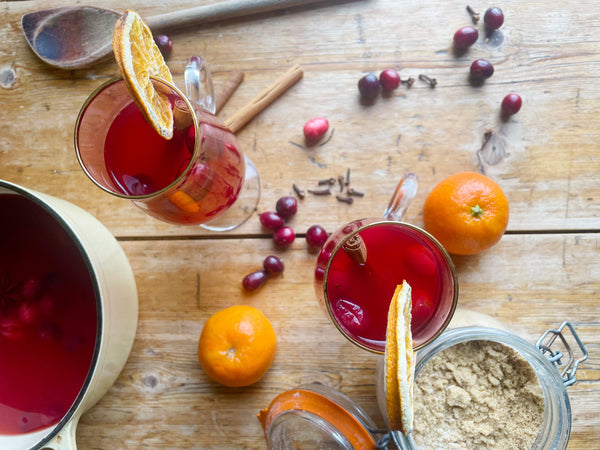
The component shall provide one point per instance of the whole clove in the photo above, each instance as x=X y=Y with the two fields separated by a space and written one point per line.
x=409 y=81
x=299 y=192
x=326 y=191
x=348 y=200
x=432 y=81
x=347 y=181
x=355 y=193
x=329 y=181
x=474 y=15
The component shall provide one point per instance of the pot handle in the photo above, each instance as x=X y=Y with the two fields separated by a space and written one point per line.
x=402 y=197
x=65 y=439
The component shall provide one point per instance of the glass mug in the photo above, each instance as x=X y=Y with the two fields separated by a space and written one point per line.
x=199 y=177
x=360 y=265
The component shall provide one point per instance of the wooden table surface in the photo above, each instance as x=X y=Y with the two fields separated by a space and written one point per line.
x=545 y=270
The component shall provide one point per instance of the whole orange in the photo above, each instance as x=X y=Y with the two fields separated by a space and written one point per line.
x=237 y=346
x=467 y=212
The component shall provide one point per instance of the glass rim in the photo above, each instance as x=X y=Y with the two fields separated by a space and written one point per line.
x=434 y=241
x=81 y=113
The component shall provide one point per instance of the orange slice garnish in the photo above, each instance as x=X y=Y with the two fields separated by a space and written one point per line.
x=399 y=362
x=139 y=59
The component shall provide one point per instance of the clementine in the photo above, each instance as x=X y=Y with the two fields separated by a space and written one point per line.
x=237 y=346
x=467 y=212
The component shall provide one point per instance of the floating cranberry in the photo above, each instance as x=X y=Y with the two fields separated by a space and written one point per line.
x=511 y=104
x=11 y=328
x=254 y=280
x=50 y=332
x=27 y=312
x=315 y=129
x=190 y=139
x=32 y=288
x=165 y=44
x=422 y=308
x=493 y=18
x=465 y=37
x=271 y=220
x=273 y=264
x=369 y=87
x=286 y=207
x=284 y=236
x=481 y=69
x=316 y=236
x=389 y=79
x=47 y=304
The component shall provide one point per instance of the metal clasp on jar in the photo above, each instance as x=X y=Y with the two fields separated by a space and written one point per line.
x=545 y=343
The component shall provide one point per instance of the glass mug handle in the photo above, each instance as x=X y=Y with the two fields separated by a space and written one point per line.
x=402 y=197
x=198 y=85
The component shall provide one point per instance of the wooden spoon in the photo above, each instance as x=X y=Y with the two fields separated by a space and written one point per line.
x=79 y=36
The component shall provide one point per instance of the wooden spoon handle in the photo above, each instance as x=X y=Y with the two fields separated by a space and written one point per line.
x=219 y=11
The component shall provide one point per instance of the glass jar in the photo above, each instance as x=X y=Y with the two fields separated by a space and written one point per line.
x=556 y=426
x=315 y=416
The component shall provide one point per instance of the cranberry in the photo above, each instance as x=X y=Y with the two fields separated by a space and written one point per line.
x=493 y=18
x=271 y=220
x=481 y=69
x=50 y=332
x=316 y=236
x=422 y=308
x=27 y=312
x=511 y=104
x=465 y=37
x=273 y=264
x=11 y=328
x=254 y=280
x=165 y=44
x=284 y=236
x=351 y=316
x=369 y=87
x=389 y=79
x=190 y=139
x=47 y=304
x=315 y=129
x=421 y=260
x=286 y=207
x=32 y=288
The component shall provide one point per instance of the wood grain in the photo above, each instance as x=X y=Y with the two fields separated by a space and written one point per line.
x=545 y=270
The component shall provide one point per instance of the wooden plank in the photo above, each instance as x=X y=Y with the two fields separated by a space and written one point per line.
x=549 y=173
x=164 y=399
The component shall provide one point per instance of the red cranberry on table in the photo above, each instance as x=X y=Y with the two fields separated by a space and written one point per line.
x=316 y=236
x=273 y=264
x=389 y=79
x=481 y=69
x=165 y=44
x=271 y=220
x=287 y=206
x=369 y=87
x=493 y=18
x=315 y=129
x=254 y=280
x=284 y=236
x=465 y=37
x=511 y=104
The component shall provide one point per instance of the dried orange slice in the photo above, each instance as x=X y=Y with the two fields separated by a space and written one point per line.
x=139 y=59
x=399 y=362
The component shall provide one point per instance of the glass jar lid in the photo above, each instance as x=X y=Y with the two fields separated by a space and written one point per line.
x=305 y=418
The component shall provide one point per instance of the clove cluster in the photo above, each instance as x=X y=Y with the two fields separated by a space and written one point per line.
x=340 y=186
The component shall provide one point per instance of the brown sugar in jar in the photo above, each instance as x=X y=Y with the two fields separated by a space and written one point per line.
x=477 y=394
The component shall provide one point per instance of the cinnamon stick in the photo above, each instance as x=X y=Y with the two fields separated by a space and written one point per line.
x=264 y=99
x=356 y=249
x=227 y=90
